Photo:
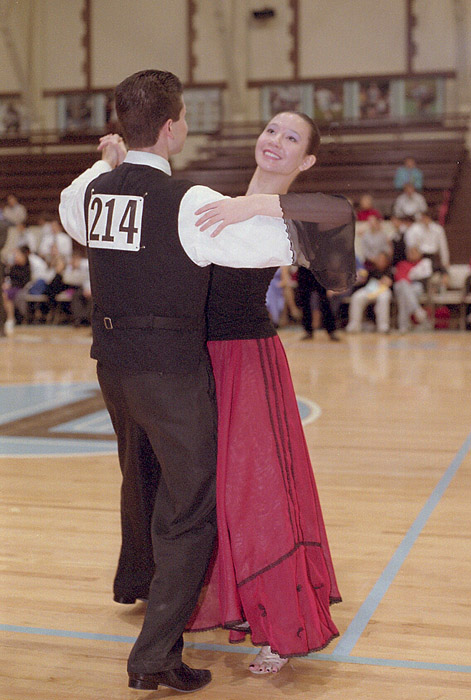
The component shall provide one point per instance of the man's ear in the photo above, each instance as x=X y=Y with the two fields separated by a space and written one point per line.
x=308 y=162
x=168 y=126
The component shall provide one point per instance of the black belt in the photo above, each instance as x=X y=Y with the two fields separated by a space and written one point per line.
x=158 y=322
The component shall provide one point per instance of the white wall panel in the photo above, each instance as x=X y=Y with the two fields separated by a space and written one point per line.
x=132 y=36
x=17 y=29
x=270 y=42
x=62 y=30
x=434 y=35
x=354 y=37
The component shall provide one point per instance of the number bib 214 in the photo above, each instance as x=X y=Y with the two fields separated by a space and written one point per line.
x=115 y=221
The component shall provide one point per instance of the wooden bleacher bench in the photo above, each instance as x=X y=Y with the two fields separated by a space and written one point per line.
x=33 y=302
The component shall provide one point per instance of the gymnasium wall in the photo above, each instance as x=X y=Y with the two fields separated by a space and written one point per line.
x=335 y=38
x=223 y=44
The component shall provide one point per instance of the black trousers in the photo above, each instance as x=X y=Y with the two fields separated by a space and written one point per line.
x=166 y=427
x=307 y=284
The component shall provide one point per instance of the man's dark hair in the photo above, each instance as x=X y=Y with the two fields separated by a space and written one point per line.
x=144 y=102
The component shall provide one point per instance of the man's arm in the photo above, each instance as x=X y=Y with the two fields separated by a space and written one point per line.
x=251 y=241
x=71 y=207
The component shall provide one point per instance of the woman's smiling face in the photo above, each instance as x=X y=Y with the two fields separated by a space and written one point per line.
x=281 y=147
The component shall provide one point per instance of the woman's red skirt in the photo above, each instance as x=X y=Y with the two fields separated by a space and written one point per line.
x=272 y=566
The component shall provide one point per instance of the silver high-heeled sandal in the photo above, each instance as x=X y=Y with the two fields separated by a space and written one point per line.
x=267 y=661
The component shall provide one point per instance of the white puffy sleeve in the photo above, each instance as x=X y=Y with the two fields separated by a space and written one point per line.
x=261 y=241
x=71 y=207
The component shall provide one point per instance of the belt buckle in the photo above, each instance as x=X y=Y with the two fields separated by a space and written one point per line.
x=108 y=323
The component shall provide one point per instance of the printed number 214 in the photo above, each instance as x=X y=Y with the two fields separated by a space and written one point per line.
x=127 y=224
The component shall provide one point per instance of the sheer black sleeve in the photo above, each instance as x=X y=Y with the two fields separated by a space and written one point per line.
x=322 y=230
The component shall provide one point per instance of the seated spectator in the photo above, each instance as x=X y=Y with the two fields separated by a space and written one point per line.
x=14 y=211
x=275 y=300
x=400 y=227
x=374 y=240
x=72 y=277
x=280 y=299
x=410 y=203
x=18 y=276
x=409 y=173
x=430 y=238
x=41 y=274
x=54 y=242
x=410 y=276
x=44 y=222
x=25 y=237
x=366 y=209
x=81 y=303
x=376 y=289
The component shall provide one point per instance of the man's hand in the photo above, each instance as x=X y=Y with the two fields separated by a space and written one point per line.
x=112 y=148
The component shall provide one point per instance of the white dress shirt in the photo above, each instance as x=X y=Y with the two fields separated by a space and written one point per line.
x=60 y=240
x=429 y=238
x=409 y=205
x=261 y=241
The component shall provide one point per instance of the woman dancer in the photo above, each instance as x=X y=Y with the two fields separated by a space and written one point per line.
x=272 y=574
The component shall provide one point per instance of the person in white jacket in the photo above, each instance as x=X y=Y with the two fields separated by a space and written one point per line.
x=430 y=238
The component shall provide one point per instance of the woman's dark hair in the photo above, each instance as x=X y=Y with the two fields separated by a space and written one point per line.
x=144 y=102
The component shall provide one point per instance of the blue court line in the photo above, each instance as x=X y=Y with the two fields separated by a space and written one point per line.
x=236 y=649
x=16 y=446
x=357 y=626
x=44 y=631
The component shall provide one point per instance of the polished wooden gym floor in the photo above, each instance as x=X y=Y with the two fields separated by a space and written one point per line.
x=388 y=423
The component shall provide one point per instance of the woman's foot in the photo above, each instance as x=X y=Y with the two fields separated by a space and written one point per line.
x=267 y=661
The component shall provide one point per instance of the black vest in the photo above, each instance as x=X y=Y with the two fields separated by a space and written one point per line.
x=146 y=275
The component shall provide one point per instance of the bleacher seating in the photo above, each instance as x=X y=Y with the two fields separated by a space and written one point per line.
x=38 y=178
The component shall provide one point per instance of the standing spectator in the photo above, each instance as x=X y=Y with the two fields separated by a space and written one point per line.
x=18 y=277
x=14 y=211
x=409 y=173
x=430 y=238
x=54 y=242
x=409 y=203
x=307 y=286
x=377 y=291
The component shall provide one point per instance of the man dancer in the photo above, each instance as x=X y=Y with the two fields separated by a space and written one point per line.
x=149 y=270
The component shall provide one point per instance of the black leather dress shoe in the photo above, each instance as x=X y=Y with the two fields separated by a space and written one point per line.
x=183 y=679
x=127 y=599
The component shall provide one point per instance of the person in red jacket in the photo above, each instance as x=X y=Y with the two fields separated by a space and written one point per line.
x=409 y=279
